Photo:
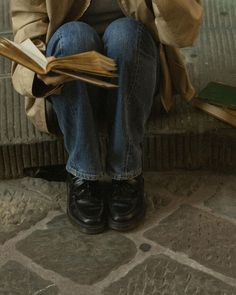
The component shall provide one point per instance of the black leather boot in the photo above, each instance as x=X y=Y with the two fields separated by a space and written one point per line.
x=126 y=203
x=85 y=205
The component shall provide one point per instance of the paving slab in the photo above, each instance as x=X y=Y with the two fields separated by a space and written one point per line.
x=162 y=189
x=25 y=202
x=15 y=279
x=175 y=183
x=85 y=259
x=224 y=199
x=209 y=240
x=159 y=275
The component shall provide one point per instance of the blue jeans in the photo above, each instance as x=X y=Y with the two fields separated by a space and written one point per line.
x=127 y=108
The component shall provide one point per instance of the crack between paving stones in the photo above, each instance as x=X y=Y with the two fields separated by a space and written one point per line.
x=44 y=289
x=45 y=274
x=185 y=260
x=39 y=225
x=214 y=213
x=123 y=270
x=166 y=212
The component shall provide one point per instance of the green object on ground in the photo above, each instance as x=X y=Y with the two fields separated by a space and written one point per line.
x=219 y=94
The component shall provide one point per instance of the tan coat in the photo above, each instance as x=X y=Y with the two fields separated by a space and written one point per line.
x=175 y=23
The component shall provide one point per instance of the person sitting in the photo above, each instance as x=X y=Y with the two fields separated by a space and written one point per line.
x=143 y=38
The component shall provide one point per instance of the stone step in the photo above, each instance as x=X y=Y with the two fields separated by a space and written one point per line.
x=185 y=138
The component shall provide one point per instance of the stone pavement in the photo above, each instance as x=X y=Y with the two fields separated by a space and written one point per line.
x=186 y=244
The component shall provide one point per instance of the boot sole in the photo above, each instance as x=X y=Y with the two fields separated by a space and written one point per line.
x=87 y=229
x=128 y=225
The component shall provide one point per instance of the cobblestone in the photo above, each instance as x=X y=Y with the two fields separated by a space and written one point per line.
x=160 y=275
x=202 y=236
x=224 y=200
x=84 y=259
x=186 y=244
x=25 y=202
x=18 y=280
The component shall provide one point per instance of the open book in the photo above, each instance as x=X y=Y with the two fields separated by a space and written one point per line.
x=218 y=100
x=87 y=66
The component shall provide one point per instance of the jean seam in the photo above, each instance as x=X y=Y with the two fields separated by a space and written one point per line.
x=131 y=174
x=127 y=156
x=137 y=63
x=83 y=174
x=83 y=171
x=137 y=68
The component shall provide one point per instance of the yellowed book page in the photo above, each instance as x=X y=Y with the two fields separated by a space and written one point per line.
x=13 y=51
x=88 y=79
x=76 y=64
x=34 y=53
x=91 y=61
x=29 y=49
x=83 y=69
x=94 y=55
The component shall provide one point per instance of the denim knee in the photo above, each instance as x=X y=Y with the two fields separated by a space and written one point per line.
x=73 y=37
x=125 y=36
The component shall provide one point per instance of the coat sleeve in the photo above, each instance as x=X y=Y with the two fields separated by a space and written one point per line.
x=29 y=20
x=177 y=21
